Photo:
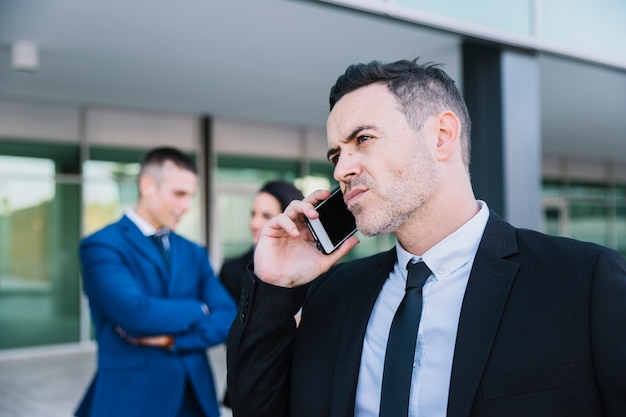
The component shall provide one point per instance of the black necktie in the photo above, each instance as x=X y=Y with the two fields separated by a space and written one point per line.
x=159 y=240
x=396 y=386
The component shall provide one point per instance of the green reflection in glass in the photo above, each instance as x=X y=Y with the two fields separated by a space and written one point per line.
x=109 y=188
x=235 y=208
x=620 y=228
x=38 y=254
x=552 y=189
x=552 y=221
x=588 y=221
x=595 y=212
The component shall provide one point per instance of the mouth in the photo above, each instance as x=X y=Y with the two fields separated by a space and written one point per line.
x=352 y=196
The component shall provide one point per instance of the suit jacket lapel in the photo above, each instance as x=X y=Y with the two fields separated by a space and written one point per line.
x=140 y=242
x=483 y=304
x=371 y=279
x=175 y=247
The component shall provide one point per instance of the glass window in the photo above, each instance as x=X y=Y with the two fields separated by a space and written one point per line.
x=552 y=189
x=552 y=221
x=620 y=228
x=39 y=232
x=589 y=212
x=588 y=222
x=620 y=219
x=110 y=187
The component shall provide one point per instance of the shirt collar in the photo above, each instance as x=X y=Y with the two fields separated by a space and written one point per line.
x=142 y=224
x=455 y=250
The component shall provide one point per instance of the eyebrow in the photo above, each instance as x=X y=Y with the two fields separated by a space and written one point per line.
x=349 y=138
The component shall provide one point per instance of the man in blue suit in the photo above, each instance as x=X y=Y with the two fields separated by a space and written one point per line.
x=155 y=301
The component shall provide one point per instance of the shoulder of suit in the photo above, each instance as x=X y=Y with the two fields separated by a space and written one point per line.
x=541 y=241
x=107 y=231
x=354 y=266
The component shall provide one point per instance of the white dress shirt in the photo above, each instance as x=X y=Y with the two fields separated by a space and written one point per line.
x=146 y=228
x=450 y=261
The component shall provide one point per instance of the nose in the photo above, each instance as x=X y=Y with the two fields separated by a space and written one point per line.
x=347 y=167
x=256 y=222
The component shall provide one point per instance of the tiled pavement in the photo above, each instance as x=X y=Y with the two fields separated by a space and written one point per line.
x=50 y=383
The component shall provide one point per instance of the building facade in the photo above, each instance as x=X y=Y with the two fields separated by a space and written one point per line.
x=545 y=83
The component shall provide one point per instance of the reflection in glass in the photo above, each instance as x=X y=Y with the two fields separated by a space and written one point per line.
x=592 y=212
x=39 y=300
x=589 y=222
x=109 y=188
x=552 y=221
x=234 y=209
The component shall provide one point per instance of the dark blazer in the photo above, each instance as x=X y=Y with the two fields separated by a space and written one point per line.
x=542 y=332
x=233 y=271
x=128 y=286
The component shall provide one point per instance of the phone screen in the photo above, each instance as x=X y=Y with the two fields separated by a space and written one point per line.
x=337 y=220
x=334 y=224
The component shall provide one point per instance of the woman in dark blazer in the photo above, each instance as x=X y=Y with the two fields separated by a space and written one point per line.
x=270 y=201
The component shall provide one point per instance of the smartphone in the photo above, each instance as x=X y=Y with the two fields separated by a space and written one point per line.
x=335 y=222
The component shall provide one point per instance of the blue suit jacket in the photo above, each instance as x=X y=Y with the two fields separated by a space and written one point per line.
x=128 y=286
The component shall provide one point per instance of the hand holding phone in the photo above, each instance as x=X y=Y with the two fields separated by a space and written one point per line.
x=335 y=223
x=288 y=254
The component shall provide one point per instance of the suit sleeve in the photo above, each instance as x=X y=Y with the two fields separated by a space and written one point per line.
x=259 y=349
x=608 y=318
x=110 y=285
x=213 y=327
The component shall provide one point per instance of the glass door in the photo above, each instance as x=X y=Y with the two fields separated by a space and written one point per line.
x=39 y=232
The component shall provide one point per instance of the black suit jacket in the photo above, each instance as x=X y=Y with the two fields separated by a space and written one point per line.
x=233 y=271
x=542 y=332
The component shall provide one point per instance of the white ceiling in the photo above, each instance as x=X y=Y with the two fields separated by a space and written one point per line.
x=263 y=60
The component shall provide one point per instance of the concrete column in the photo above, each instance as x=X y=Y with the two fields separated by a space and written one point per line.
x=501 y=88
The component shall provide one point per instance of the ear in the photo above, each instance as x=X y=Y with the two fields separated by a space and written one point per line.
x=147 y=185
x=449 y=135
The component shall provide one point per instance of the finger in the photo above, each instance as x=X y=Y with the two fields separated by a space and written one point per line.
x=291 y=220
x=306 y=206
x=344 y=249
x=147 y=341
x=277 y=226
x=287 y=224
x=298 y=207
x=121 y=332
x=317 y=196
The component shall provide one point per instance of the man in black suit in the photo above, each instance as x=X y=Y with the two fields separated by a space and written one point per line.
x=513 y=322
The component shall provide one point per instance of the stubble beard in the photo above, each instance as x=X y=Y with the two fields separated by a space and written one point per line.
x=402 y=201
x=377 y=221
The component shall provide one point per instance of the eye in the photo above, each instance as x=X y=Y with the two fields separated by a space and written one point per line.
x=334 y=158
x=362 y=139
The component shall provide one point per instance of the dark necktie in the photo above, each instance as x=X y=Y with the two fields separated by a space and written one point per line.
x=399 y=358
x=159 y=240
